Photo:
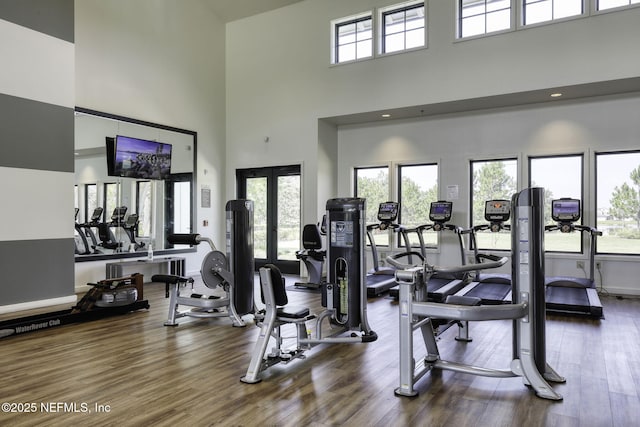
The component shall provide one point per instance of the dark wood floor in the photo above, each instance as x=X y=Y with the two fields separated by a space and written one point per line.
x=146 y=374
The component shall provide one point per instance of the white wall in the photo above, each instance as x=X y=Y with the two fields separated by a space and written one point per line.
x=279 y=83
x=162 y=62
x=576 y=127
x=279 y=80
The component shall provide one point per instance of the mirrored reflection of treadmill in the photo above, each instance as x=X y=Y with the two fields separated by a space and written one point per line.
x=380 y=279
x=439 y=285
x=490 y=287
x=573 y=295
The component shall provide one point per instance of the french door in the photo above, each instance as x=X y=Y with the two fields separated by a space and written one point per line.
x=276 y=194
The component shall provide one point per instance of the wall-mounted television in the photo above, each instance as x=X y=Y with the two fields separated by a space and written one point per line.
x=130 y=157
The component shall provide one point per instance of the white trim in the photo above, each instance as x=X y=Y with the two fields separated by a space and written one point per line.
x=379 y=25
x=595 y=11
x=335 y=22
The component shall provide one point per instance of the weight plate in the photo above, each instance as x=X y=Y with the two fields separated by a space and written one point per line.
x=213 y=262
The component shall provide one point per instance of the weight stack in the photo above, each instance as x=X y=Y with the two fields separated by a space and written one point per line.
x=239 y=238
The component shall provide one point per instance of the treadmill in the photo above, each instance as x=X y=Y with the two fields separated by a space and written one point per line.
x=380 y=279
x=491 y=288
x=573 y=295
x=440 y=285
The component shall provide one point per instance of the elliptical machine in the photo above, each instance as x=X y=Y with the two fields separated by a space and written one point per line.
x=86 y=228
x=130 y=227
x=106 y=235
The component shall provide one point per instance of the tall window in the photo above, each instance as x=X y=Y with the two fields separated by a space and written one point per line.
x=90 y=200
x=477 y=17
x=618 y=202
x=143 y=208
x=373 y=184
x=417 y=187
x=76 y=200
x=560 y=176
x=110 y=198
x=491 y=180
x=402 y=27
x=534 y=11
x=610 y=4
x=353 y=38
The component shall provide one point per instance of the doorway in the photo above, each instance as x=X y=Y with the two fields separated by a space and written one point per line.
x=276 y=194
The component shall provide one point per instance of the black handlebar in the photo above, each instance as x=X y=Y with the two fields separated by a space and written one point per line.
x=184 y=239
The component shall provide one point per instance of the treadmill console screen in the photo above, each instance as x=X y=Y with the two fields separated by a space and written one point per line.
x=440 y=211
x=118 y=214
x=97 y=213
x=132 y=220
x=565 y=210
x=388 y=211
x=497 y=210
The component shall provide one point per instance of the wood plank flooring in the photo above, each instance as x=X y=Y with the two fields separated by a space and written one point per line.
x=145 y=374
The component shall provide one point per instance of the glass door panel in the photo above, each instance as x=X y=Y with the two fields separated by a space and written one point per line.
x=275 y=192
x=257 y=191
x=288 y=228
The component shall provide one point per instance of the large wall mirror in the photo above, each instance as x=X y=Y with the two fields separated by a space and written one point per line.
x=135 y=185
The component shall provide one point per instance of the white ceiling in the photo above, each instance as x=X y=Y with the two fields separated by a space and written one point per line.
x=232 y=10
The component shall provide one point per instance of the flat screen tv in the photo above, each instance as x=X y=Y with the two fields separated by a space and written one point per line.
x=130 y=157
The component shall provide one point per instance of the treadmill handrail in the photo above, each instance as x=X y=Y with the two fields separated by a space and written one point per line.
x=578 y=227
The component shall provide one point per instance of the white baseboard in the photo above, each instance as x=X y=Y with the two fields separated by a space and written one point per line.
x=71 y=299
x=624 y=292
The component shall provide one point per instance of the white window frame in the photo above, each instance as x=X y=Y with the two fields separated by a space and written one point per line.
x=584 y=217
x=472 y=192
x=458 y=23
x=372 y=208
x=599 y=210
x=596 y=10
x=401 y=220
x=521 y=15
x=380 y=26
x=345 y=20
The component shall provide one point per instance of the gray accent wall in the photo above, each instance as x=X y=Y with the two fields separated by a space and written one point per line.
x=52 y=17
x=36 y=156
x=36 y=270
x=36 y=135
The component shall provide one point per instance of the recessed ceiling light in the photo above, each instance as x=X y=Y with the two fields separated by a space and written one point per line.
x=556 y=95
x=386 y=116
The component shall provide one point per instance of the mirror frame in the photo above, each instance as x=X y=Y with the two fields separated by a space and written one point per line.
x=194 y=135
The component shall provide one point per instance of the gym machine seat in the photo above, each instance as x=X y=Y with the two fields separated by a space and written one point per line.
x=276 y=314
x=215 y=272
x=312 y=255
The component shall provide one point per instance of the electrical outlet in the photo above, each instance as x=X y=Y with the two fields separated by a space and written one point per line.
x=598 y=265
x=580 y=264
